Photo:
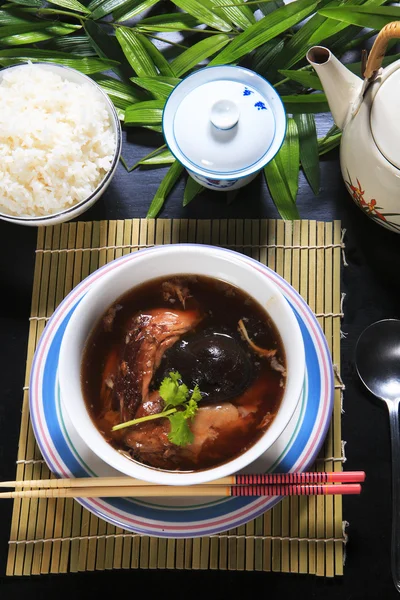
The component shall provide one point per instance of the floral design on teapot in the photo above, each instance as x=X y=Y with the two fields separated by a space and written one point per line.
x=369 y=207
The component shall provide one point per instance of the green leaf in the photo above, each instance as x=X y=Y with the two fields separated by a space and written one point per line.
x=305 y=78
x=192 y=189
x=165 y=188
x=79 y=45
x=161 y=87
x=168 y=22
x=312 y=103
x=309 y=149
x=264 y=30
x=107 y=46
x=268 y=7
x=87 y=65
x=157 y=57
x=289 y=155
x=135 y=52
x=282 y=174
x=131 y=8
x=330 y=27
x=145 y=113
x=26 y=33
x=327 y=144
x=240 y=15
x=298 y=45
x=13 y=17
x=279 y=190
x=197 y=53
x=364 y=16
x=122 y=94
x=71 y=4
x=35 y=3
x=162 y=158
x=265 y=55
x=203 y=14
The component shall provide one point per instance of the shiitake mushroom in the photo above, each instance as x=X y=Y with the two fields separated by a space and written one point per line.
x=218 y=362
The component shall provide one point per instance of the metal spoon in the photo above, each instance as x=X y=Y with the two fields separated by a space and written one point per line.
x=377 y=361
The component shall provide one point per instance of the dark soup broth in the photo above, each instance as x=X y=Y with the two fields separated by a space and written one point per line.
x=197 y=348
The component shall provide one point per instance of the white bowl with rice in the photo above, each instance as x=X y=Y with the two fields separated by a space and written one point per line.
x=60 y=143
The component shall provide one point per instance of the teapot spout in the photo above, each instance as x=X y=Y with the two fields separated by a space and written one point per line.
x=341 y=86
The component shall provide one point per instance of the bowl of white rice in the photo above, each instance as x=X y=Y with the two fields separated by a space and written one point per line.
x=60 y=143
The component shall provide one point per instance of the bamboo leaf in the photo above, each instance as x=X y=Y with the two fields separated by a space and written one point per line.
x=87 y=65
x=145 y=113
x=168 y=22
x=79 y=45
x=131 y=9
x=34 y=3
x=364 y=16
x=309 y=149
x=330 y=27
x=317 y=29
x=107 y=47
x=299 y=103
x=297 y=46
x=265 y=30
x=162 y=158
x=192 y=189
x=157 y=57
x=327 y=144
x=289 y=155
x=13 y=17
x=240 y=14
x=203 y=14
x=268 y=7
x=172 y=176
x=71 y=4
x=282 y=174
x=306 y=79
x=135 y=52
x=197 y=53
x=159 y=86
x=264 y=56
x=122 y=94
x=26 y=33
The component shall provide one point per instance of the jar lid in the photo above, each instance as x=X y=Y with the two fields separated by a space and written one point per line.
x=385 y=119
x=224 y=120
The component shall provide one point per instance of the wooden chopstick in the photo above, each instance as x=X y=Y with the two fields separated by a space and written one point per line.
x=317 y=477
x=153 y=491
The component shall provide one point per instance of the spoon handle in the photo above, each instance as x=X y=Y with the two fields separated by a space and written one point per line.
x=395 y=441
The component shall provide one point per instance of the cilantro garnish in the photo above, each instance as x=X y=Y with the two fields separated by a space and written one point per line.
x=179 y=408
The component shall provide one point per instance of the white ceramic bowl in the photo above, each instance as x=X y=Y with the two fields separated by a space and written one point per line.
x=165 y=261
x=79 y=208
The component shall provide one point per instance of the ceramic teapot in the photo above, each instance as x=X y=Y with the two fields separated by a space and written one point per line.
x=224 y=124
x=367 y=110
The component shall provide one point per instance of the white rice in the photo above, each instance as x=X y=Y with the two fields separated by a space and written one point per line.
x=56 y=141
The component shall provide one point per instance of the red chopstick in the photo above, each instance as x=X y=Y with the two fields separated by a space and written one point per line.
x=316 y=477
x=296 y=490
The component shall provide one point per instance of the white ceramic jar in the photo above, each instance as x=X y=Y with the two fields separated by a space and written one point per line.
x=224 y=124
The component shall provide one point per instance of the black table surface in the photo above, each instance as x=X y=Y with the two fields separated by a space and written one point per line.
x=371 y=282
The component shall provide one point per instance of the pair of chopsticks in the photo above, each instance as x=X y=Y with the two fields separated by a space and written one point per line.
x=269 y=484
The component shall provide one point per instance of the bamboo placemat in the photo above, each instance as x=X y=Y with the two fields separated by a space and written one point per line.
x=300 y=534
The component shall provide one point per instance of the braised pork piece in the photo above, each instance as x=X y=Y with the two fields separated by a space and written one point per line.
x=217 y=337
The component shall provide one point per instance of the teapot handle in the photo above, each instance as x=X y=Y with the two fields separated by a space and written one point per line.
x=374 y=62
